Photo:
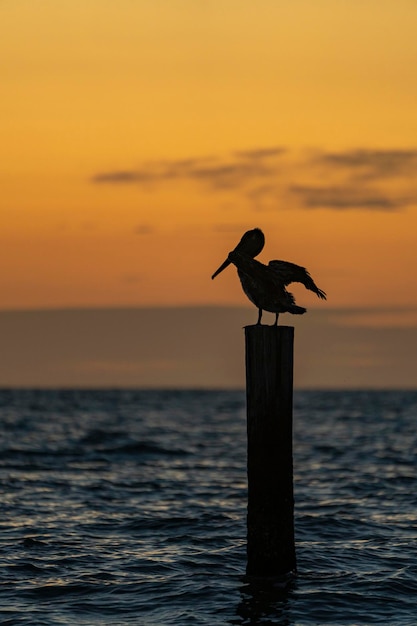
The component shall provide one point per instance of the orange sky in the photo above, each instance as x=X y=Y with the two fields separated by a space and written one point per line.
x=141 y=139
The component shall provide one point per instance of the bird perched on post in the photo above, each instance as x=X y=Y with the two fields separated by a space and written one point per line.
x=265 y=285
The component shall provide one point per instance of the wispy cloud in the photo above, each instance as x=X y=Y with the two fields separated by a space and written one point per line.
x=373 y=163
x=233 y=172
x=346 y=197
x=273 y=178
x=122 y=177
x=261 y=153
x=143 y=229
x=231 y=175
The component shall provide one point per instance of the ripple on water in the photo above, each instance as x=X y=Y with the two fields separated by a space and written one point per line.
x=129 y=508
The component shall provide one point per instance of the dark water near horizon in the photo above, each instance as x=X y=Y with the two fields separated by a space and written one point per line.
x=128 y=507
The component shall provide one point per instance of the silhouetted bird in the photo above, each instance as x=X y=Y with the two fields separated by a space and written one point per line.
x=265 y=285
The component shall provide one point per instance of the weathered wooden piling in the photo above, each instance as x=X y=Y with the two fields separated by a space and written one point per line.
x=269 y=393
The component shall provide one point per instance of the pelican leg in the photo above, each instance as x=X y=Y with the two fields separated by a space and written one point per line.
x=259 y=316
x=276 y=319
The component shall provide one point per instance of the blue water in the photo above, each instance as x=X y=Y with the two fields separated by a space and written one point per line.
x=128 y=507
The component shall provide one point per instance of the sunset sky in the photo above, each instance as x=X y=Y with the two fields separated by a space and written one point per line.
x=140 y=139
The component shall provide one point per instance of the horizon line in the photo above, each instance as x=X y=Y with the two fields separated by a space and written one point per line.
x=149 y=307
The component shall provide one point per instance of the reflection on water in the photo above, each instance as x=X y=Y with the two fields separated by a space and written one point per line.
x=265 y=601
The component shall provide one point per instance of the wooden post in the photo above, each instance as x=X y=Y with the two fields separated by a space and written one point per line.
x=269 y=392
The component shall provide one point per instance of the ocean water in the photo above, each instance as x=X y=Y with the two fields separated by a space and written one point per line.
x=128 y=507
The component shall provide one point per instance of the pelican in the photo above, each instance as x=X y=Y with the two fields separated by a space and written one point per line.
x=265 y=285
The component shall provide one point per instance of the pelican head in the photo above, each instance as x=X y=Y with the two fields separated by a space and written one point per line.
x=250 y=245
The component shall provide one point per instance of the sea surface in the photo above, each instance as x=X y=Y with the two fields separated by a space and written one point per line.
x=129 y=507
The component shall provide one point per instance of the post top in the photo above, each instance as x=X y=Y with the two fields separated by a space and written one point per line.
x=267 y=326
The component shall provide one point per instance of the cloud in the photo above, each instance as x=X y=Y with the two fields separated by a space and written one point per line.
x=121 y=177
x=379 y=318
x=345 y=198
x=261 y=153
x=230 y=175
x=132 y=278
x=143 y=229
x=216 y=173
x=93 y=348
x=275 y=178
x=373 y=163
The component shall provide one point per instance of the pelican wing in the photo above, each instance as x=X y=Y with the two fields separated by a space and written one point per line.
x=292 y=273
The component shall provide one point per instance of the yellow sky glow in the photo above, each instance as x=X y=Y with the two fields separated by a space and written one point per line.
x=141 y=139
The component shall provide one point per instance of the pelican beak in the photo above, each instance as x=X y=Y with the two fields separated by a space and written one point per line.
x=221 y=268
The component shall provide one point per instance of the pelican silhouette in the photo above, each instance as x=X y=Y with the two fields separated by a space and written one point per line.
x=265 y=285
